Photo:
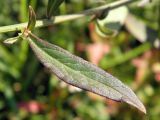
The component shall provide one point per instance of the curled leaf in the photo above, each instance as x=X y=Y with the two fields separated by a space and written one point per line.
x=32 y=19
x=111 y=24
x=80 y=73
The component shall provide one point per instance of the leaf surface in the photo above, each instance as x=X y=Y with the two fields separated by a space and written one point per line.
x=80 y=73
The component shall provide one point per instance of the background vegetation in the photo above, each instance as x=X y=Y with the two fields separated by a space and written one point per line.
x=28 y=90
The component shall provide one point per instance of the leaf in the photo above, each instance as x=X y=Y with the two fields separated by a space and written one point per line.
x=11 y=40
x=32 y=19
x=52 y=7
x=111 y=24
x=141 y=31
x=80 y=73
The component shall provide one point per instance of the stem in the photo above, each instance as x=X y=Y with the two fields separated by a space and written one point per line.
x=63 y=18
x=23 y=10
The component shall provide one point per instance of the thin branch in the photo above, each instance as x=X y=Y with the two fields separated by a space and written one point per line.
x=122 y=58
x=63 y=18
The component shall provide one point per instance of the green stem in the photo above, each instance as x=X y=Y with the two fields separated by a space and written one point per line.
x=23 y=11
x=63 y=18
x=108 y=63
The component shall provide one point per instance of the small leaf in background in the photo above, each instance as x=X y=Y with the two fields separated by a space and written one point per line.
x=141 y=31
x=80 y=73
x=32 y=19
x=112 y=23
x=53 y=6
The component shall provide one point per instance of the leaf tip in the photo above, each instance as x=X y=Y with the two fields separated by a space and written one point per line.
x=143 y=109
x=32 y=18
x=138 y=104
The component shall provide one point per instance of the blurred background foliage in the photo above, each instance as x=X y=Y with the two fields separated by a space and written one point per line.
x=29 y=92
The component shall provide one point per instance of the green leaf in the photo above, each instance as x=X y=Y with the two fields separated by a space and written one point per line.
x=80 y=73
x=12 y=40
x=32 y=19
x=53 y=6
x=112 y=23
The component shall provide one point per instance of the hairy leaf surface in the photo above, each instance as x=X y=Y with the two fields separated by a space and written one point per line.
x=80 y=73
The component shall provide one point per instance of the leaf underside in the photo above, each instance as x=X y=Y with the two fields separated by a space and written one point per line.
x=80 y=73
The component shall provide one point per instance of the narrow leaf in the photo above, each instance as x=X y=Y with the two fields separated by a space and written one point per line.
x=53 y=6
x=12 y=40
x=80 y=73
x=32 y=19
